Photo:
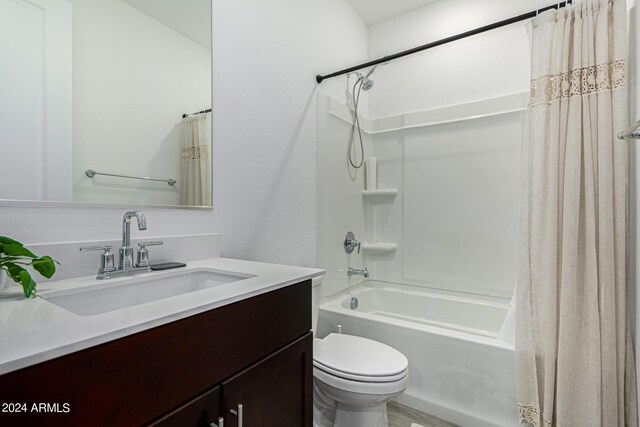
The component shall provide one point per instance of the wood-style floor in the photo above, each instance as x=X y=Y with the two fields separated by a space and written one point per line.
x=403 y=416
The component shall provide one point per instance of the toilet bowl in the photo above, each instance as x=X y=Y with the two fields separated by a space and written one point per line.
x=353 y=379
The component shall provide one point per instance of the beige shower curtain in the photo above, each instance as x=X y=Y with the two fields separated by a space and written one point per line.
x=574 y=359
x=195 y=182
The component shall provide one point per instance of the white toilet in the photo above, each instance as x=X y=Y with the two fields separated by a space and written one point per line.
x=353 y=379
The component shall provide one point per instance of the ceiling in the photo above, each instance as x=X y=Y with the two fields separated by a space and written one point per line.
x=190 y=18
x=374 y=11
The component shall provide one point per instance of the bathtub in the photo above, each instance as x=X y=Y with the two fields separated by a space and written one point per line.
x=459 y=368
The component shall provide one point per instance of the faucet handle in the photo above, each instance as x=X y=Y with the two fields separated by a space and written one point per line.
x=107 y=262
x=150 y=243
x=350 y=243
x=106 y=248
x=142 y=258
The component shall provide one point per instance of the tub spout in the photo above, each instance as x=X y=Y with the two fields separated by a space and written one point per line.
x=356 y=272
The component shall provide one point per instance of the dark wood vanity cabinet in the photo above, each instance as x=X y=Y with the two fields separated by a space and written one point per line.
x=277 y=391
x=201 y=411
x=256 y=352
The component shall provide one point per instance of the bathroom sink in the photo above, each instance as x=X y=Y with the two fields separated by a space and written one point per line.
x=109 y=296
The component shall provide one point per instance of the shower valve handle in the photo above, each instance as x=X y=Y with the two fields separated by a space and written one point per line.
x=350 y=243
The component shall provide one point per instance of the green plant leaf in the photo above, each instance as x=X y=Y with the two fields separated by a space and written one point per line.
x=14 y=272
x=13 y=254
x=4 y=240
x=28 y=285
x=18 y=250
x=45 y=266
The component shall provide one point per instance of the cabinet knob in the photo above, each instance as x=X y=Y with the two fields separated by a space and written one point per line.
x=220 y=423
x=238 y=414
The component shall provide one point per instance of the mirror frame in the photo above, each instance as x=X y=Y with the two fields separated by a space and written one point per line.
x=88 y=205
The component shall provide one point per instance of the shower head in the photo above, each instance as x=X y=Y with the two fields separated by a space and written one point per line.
x=367 y=84
x=365 y=81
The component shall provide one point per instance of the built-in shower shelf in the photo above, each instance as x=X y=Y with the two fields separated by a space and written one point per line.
x=379 y=196
x=378 y=248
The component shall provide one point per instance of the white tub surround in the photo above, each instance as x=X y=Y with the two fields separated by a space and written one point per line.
x=459 y=368
x=36 y=330
x=467 y=242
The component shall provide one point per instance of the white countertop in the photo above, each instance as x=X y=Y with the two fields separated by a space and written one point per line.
x=35 y=330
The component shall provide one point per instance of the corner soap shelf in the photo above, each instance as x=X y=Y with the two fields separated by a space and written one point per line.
x=379 y=196
x=378 y=248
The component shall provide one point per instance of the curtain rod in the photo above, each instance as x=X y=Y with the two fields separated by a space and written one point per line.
x=185 y=115
x=631 y=133
x=513 y=20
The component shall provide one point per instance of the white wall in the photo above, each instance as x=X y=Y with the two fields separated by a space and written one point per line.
x=488 y=65
x=133 y=78
x=266 y=55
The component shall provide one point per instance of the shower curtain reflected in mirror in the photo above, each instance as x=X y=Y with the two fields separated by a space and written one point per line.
x=195 y=180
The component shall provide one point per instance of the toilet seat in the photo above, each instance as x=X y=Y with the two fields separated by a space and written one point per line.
x=358 y=359
x=355 y=377
x=362 y=387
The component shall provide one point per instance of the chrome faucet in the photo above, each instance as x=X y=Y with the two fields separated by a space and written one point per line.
x=356 y=272
x=126 y=266
x=126 y=251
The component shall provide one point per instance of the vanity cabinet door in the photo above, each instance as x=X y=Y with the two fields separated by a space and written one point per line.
x=201 y=411
x=276 y=391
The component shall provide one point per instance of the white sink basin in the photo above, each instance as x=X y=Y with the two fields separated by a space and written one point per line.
x=128 y=292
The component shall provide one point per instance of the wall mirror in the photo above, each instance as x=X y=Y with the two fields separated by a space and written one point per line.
x=92 y=99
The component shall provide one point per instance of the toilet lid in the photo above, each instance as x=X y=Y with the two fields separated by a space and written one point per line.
x=358 y=357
